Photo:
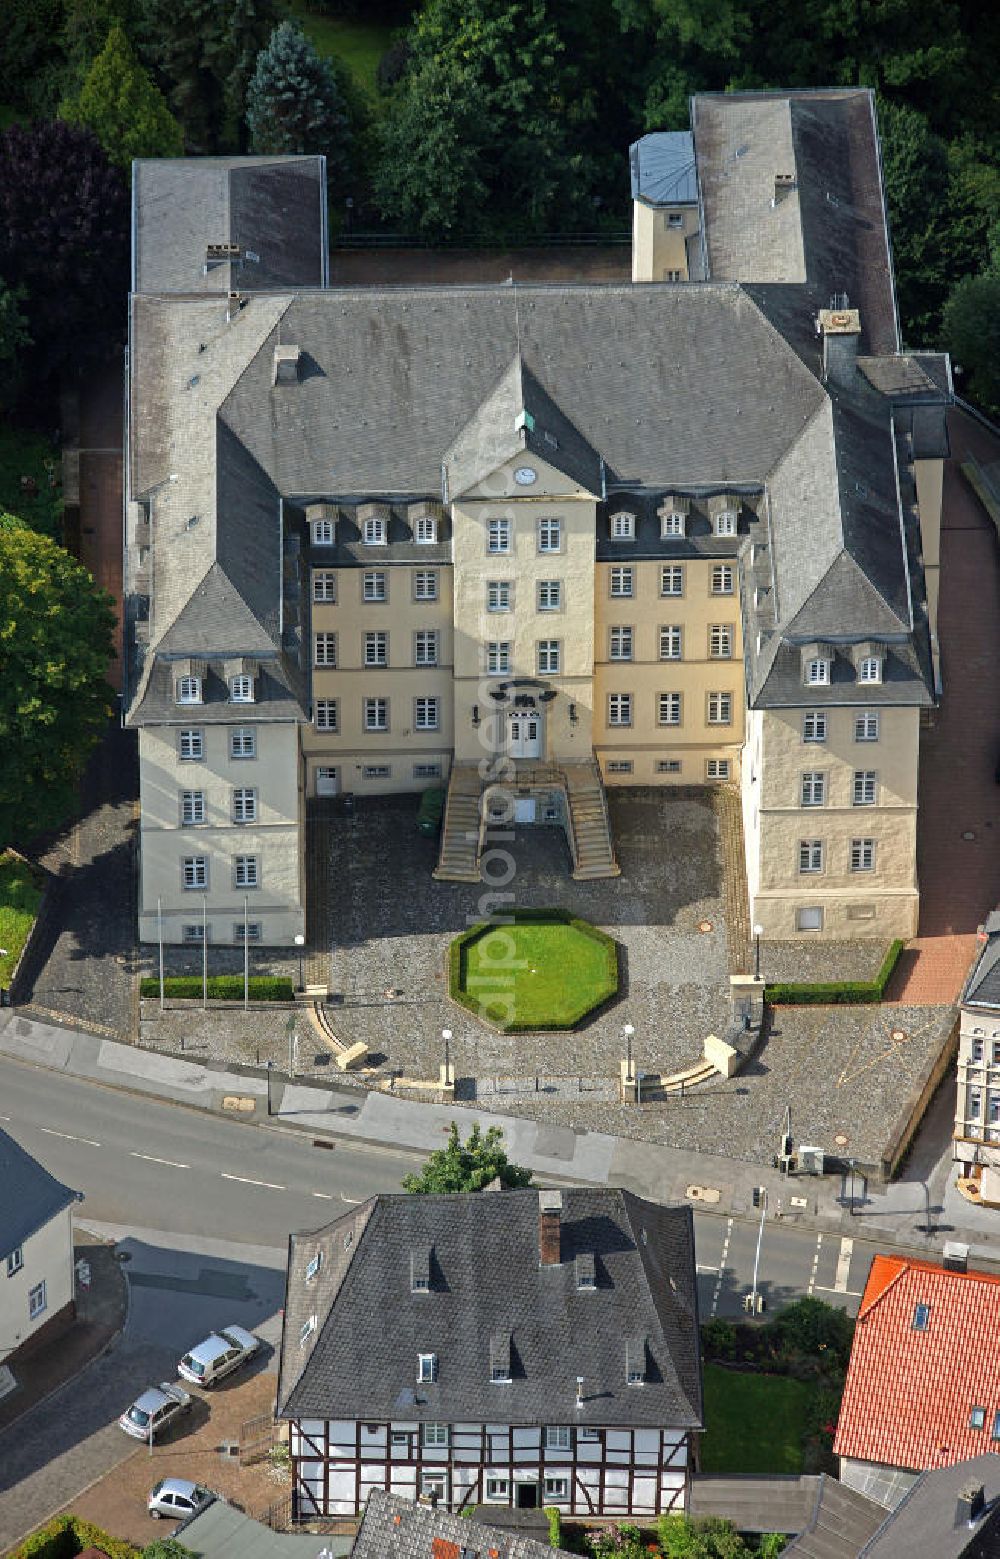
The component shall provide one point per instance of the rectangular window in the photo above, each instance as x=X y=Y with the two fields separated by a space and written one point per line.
x=549 y=535
x=188 y=690
x=498 y=595
x=326 y=714
x=377 y=771
x=557 y=1437
x=811 y=855
x=433 y=1434
x=324 y=586
x=865 y=786
x=549 y=595
x=818 y=672
x=670 y=643
x=722 y=579
x=427 y=771
x=244 y=804
x=668 y=709
x=243 y=742
x=814 y=726
x=975 y=1104
x=717 y=768
x=720 y=641
x=866 y=726
x=498 y=655
x=245 y=871
x=375 y=531
x=623 y=526
x=425 y=647
x=549 y=655
x=322 y=533
x=620 y=644
x=977 y=1418
x=862 y=855
x=376 y=713
x=620 y=766
x=977 y=1050
x=809 y=919
x=374 y=585
x=252 y=931
x=813 y=788
x=870 y=669
x=720 y=708
x=621 y=581
x=241 y=690
x=377 y=648
x=725 y=523
x=425 y=532
x=557 y=1488
x=498 y=536
x=921 y=1316
x=15 y=1261
x=619 y=708
x=671 y=524
x=497 y=1490
x=325 y=649
x=192 y=806
x=668 y=765
x=425 y=714
x=194 y=871
x=425 y=584
x=194 y=933
x=37 y=1302
x=192 y=746
x=672 y=579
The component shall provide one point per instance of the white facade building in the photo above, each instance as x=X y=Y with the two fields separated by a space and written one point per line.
x=36 y=1252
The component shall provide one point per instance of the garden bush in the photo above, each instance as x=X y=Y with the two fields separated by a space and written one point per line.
x=837 y=992
x=221 y=987
x=66 y=1536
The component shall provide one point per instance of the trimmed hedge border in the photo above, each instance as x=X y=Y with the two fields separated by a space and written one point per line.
x=837 y=992
x=457 y=949
x=66 y=1536
x=221 y=987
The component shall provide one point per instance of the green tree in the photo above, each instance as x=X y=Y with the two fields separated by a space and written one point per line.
x=166 y=1548
x=918 y=193
x=971 y=332
x=684 y=1537
x=467 y=1166
x=55 y=642
x=86 y=24
x=203 y=53
x=126 y=112
x=294 y=103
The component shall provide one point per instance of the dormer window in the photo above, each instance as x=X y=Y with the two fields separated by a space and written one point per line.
x=672 y=523
x=425 y=531
x=241 y=690
x=725 y=523
x=586 y=1273
x=312 y=1270
x=375 y=531
x=818 y=671
x=500 y=1373
x=322 y=533
x=306 y=1330
x=420 y=1270
x=870 y=669
x=188 y=690
x=623 y=526
x=635 y=1361
x=427 y=1367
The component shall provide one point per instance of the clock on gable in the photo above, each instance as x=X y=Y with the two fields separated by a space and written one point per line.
x=525 y=475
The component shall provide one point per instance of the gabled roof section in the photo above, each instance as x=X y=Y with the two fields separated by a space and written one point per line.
x=271 y=211
x=31 y=1196
x=519 y=417
x=982 y=988
x=928 y=1520
x=396 y=1528
x=910 y=1389
x=644 y=1257
x=662 y=168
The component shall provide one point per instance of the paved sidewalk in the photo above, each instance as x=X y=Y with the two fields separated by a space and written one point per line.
x=917 y=1210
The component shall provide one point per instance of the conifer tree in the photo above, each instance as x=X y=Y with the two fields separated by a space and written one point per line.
x=119 y=102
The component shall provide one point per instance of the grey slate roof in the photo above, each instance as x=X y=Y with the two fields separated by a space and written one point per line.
x=29 y=1195
x=396 y=1528
x=222 y=1532
x=982 y=987
x=838 y=1523
x=662 y=169
x=826 y=1518
x=926 y=1519
x=273 y=207
x=645 y=1288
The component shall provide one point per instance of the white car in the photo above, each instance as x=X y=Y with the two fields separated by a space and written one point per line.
x=156 y=1408
x=218 y=1355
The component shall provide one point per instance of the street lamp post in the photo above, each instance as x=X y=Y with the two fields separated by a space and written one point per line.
x=754 y=1296
x=851 y=1165
x=758 y=932
x=446 y=1036
x=300 y=943
x=628 y=1031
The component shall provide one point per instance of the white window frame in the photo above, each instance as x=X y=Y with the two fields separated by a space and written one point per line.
x=719 y=709
x=188 y=690
x=499 y=535
x=672 y=580
x=720 y=641
x=863 y=855
x=193 y=933
x=619 y=710
x=550 y=595
x=621 y=582
x=246 y=871
x=717 y=769
x=242 y=742
x=668 y=766
x=497 y=656
x=425 y=647
x=620 y=766
x=870 y=669
x=192 y=808
x=15 y=1261
x=672 y=524
x=322 y=533
x=325 y=650
x=326 y=714
x=725 y=523
x=498 y=594
x=254 y=931
x=866 y=726
x=548 y=657
x=425 y=531
x=244 y=804
x=550 y=535
x=814 y=726
x=818 y=671
x=377 y=771
x=426 y=713
x=810 y=855
x=812 y=792
x=325 y=587
x=375 y=647
x=558 y=1437
x=195 y=868
x=191 y=745
x=375 y=586
x=425 y=584
x=372 y=709
x=556 y=1488
x=620 y=641
x=671 y=636
x=722 y=579
x=497 y=1491
x=622 y=525
x=814 y=912
x=38 y=1301
x=426 y=771
x=864 y=789
x=375 y=532
x=241 y=690
x=669 y=708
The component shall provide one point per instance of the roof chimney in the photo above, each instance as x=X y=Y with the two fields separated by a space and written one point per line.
x=841 y=330
x=971 y=1503
x=549 y=1221
x=784 y=183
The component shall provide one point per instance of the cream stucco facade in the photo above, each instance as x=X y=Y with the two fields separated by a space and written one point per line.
x=36 y=1282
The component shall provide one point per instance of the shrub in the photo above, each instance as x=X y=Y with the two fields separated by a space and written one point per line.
x=66 y=1536
x=221 y=987
x=555 y=1525
x=718 y=1339
x=837 y=992
x=812 y=1330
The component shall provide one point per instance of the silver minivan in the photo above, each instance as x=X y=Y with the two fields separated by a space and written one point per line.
x=218 y=1355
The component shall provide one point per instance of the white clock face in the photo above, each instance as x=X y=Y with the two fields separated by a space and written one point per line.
x=524 y=476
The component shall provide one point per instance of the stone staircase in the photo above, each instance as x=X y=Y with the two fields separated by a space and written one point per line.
x=459 y=857
x=588 y=815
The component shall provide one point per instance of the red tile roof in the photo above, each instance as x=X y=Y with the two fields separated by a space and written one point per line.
x=910 y=1393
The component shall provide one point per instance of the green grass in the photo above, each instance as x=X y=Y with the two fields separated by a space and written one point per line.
x=26 y=454
x=545 y=971
x=360 y=45
x=20 y=896
x=754 y=1423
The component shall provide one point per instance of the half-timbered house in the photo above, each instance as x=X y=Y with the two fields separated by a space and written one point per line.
x=513 y=1348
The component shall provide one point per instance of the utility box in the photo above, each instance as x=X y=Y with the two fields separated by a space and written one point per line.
x=811 y=1160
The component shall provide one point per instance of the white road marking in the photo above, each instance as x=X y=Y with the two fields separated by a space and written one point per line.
x=4 y=1117
x=815 y=1264
x=700 y=1268
x=66 y=1136
x=268 y=1185
x=722 y=1265
x=849 y=1293
x=843 y=1265
x=171 y=1163
x=324 y=1196
x=355 y=1201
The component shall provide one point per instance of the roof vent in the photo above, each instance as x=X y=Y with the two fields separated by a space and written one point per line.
x=287 y=364
x=971 y=1503
x=784 y=184
x=219 y=252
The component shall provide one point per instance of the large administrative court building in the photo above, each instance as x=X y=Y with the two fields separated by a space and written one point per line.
x=679 y=531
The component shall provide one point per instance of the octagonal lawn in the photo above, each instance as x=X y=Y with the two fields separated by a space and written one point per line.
x=534 y=973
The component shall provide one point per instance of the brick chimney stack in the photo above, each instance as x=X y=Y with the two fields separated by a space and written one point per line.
x=549 y=1222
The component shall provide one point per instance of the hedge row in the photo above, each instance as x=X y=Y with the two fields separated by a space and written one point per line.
x=221 y=987
x=457 y=952
x=837 y=992
x=66 y=1536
